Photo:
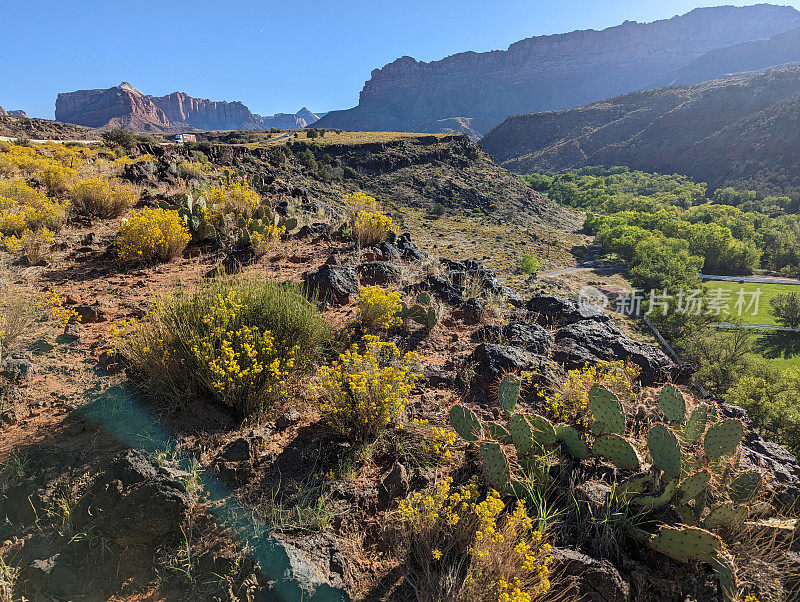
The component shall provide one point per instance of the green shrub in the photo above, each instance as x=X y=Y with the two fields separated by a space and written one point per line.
x=120 y=137
x=529 y=264
x=241 y=340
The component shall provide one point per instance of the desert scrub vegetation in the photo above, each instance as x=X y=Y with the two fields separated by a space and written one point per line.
x=23 y=208
x=35 y=245
x=98 y=197
x=363 y=391
x=379 y=308
x=241 y=340
x=458 y=548
x=368 y=225
x=152 y=235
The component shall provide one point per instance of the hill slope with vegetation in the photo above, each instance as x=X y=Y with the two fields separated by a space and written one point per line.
x=719 y=132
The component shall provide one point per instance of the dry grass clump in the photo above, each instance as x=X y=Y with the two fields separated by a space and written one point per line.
x=98 y=197
x=240 y=340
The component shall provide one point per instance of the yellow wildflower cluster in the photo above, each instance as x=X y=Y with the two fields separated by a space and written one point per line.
x=231 y=200
x=362 y=392
x=440 y=441
x=99 y=197
x=152 y=235
x=508 y=557
x=368 y=228
x=379 y=308
x=360 y=201
x=58 y=312
x=23 y=207
x=241 y=362
x=35 y=160
x=571 y=402
x=261 y=242
x=192 y=169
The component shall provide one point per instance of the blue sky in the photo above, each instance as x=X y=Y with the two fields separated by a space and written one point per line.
x=273 y=56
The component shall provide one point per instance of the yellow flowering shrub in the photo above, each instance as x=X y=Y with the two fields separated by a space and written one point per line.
x=231 y=200
x=152 y=235
x=378 y=307
x=23 y=207
x=570 y=403
x=368 y=228
x=360 y=201
x=59 y=313
x=56 y=178
x=262 y=242
x=99 y=197
x=507 y=558
x=240 y=362
x=238 y=339
x=439 y=442
x=362 y=392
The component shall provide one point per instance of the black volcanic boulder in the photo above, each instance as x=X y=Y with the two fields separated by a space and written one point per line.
x=408 y=250
x=589 y=341
x=315 y=230
x=467 y=271
x=443 y=289
x=551 y=309
x=530 y=337
x=333 y=283
x=379 y=272
x=589 y=579
x=136 y=501
x=492 y=361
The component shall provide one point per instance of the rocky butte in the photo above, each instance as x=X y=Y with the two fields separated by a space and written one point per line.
x=550 y=72
x=125 y=106
x=17 y=113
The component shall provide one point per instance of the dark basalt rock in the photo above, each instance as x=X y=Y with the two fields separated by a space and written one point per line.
x=333 y=283
x=315 y=230
x=492 y=361
x=589 y=579
x=18 y=368
x=135 y=502
x=379 y=272
x=530 y=337
x=551 y=309
x=386 y=251
x=589 y=341
x=408 y=250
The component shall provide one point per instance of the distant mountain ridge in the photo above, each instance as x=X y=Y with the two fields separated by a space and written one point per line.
x=550 y=72
x=125 y=106
x=718 y=131
x=16 y=113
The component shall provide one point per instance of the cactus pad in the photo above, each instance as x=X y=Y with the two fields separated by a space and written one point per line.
x=653 y=502
x=696 y=425
x=618 y=451
x=686 y=543
x=725 y=569
x=607 y=411
x=672 y=403
x=746 y=486
x=633 y=485
x=727 y=515
x=543 y=432
x=665 y=449
x=572 y=441
x=521 y=433
x=495 y=463
x=508 y=392
x=723 y=438
x=496 y=431
x=694 y=485
x=465 y=423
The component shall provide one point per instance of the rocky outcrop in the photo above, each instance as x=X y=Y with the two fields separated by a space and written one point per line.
x=718 y=131
x=9 y=113
x=125 y=106
x=548 y=72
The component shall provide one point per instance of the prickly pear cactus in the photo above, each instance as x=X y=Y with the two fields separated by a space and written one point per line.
x=696 y=425
x=694 y=485
x=672 y=404
x=508 y=392
x=618 y=451
x=465 y=423
x=543 y=432
x=497 y=432
x=665 y=449
x=521 y=433
x=607 y=411
x=727 y=515
x=572 y=441
x=648 y=503
x=686 y=543
x=746 y=486
x=723 y=438
x=725 y=569
x=495 y=463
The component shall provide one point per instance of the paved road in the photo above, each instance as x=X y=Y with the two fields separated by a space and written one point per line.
x=759 y=279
